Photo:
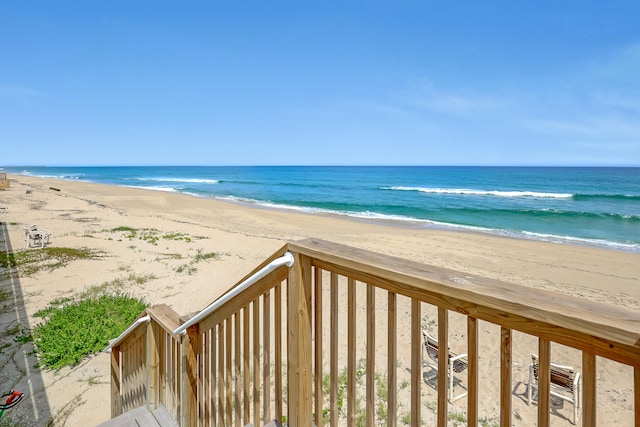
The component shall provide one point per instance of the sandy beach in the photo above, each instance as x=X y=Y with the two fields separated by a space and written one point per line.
x=83 y=215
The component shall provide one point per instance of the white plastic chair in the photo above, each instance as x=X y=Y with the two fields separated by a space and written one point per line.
x=35 y=237
x=565 y=384
x=456 y=363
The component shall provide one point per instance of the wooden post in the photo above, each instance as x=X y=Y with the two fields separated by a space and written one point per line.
x=153 y=367
x=190 y=356
x=116 y=399
x=299 y=368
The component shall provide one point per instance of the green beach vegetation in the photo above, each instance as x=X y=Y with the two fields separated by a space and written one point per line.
x=29 y=262
x=150 y=235
x=75 y=327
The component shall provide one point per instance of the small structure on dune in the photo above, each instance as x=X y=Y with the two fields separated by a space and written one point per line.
x=4 y=182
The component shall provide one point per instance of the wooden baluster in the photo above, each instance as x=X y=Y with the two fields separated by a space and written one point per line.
x=334 y=352
x=116 y=382
x=213 y=401
x=247 y=361
x=636 y=394
x=228 y=372
x=443 y=366
x=371 y=354
x=544 y=382
x=416 y=363
x=505 y=377
x=472 y=375
x=256 y=362
x=392 y=350
x=221 y=397
x=317 y=333
x=205 y=396
x=277 y=328
x=351 y=352
x=588 y=399
x=236 y=375
x=266 y=356
x=153 y=361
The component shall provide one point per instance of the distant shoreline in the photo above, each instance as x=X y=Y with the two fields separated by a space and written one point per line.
x=406 y=223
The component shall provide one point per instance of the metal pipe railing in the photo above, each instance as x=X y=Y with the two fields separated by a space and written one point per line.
x=134 y=325
x=286 y=259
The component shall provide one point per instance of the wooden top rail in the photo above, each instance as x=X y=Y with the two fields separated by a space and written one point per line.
x=601 y=329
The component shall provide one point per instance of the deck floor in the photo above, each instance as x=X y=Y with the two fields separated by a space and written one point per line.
x=141 y=417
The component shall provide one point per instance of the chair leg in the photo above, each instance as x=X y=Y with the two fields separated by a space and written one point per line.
x=529 y=387
x=450 y=383
x=577 y=403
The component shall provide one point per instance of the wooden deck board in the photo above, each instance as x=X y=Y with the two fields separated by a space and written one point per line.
x=141 y=417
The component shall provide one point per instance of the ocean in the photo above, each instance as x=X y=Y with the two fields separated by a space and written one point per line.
x=578 y=205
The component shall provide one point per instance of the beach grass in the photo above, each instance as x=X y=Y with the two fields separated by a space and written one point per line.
x=29 y=262
x=150 y=235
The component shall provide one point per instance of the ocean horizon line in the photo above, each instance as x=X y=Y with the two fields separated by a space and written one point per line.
x=452 y=165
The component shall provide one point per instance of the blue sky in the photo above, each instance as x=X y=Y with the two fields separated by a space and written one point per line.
x=319 y=82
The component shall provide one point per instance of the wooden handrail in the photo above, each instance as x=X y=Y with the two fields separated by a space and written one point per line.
x=563 y=319
x=222 y=372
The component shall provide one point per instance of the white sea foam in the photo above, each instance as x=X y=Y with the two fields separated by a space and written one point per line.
x=472 y=192
x=187 y=180
x=155 y=188
x=631 y=247
x=363 y=215
x=61 y=176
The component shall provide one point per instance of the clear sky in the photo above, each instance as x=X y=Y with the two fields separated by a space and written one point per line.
x=397 y=82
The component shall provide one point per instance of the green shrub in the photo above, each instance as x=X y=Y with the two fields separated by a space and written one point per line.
x=75 y=328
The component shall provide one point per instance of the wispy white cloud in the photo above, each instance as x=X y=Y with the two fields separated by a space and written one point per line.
x=615 y=100
x=18 y=92
x=455 y=102
x=598 y=107
x=591 y=127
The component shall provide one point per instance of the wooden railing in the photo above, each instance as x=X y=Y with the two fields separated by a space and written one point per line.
x=287 y=348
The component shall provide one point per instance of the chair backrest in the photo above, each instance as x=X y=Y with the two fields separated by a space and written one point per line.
x=561 y=376
x=431 y=344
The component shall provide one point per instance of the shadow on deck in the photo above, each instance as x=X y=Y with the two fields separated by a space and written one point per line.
x=142 y=417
